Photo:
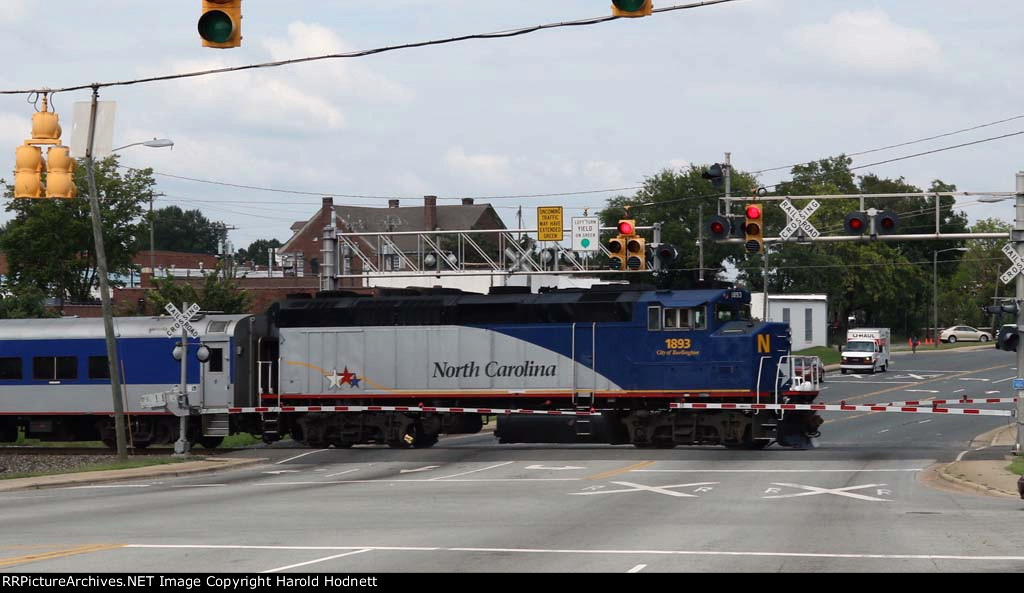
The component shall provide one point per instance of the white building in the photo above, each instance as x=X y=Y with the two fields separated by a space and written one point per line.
x=806 y=314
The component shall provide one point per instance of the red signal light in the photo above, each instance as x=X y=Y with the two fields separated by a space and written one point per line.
x=717 y=228
x=753 y=212
x=856 y=224
x=625 y=227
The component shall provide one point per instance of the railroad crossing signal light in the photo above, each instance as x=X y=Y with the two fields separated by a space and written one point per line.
x=220 y=25
x=664 y=255
x=60 y=173
x=719 y=228
x=886 y=222
x=28 y=167
x=753 y=229
x=631 y=8
x=636 y=253
x=617 y=250
x=855 y=223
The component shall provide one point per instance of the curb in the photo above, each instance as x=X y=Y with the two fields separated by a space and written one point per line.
x=84 y=478
x=973 y=485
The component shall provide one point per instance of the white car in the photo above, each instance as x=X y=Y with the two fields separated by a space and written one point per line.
x=963 y=333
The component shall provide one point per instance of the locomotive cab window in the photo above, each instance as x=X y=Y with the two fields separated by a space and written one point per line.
x=653 y=318
x=10 y=369
x=677 y=319
x=216 y=360
x=724 y=312
x=54 y=368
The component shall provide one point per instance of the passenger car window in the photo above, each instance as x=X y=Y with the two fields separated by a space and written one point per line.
x=54 y=368
x=99 y=368
x=10 y=369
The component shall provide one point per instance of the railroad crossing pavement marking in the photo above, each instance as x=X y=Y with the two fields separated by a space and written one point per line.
x=701 y=487
x=9 y=562
x=621 y=470
x=555 y=468
x=814 y=490
x=352 y=553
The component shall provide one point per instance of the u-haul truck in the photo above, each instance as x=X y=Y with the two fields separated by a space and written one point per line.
x=866 y=350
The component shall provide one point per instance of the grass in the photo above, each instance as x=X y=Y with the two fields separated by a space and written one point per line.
x=235 y=441
x=827 y=355
x=95 y=467
x=1017 y=466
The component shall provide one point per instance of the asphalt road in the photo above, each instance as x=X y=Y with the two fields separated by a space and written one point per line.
x=858 y=502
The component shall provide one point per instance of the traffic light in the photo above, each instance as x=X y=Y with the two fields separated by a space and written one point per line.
x=855 y=223
x=664 y=255
x=754 y=229
x=631 y=8
x=627 y=227
x=719 y=228
x=715 y=175
x=617 y=251
x=220 y=25
x=28 y=167
x=60 y=173
x=636 y=253
x=886 y=222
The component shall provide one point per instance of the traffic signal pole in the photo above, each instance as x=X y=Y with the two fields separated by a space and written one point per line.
x=101 y=271
x=1018 y=240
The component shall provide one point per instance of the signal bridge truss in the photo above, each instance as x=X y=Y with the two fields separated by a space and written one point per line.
x=484 y=252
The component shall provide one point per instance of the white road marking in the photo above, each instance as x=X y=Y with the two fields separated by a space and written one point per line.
x=108 y=486
x=641 y=488
x=918 y=377
x=877 y=382
x=297 y=456
x=959 y=391
x=813 y=490
x=416 y=481
x=991 y=391
x=923 y=421
x=419 y=469
x=1001 y=380
x=283 y=471
x=591 y=551
x=972 y=379
x=768 y=471
x=348 y=471
x=637 y=568
x=881 y=431
x=352 y=553
x=475 y=470
x=198 y=485
x=559 y=468
x=921 y=390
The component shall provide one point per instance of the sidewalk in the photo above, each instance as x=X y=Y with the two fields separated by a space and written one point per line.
x=990 y=476
x=171 y=469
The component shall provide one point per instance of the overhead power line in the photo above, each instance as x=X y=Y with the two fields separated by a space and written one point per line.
x=362 y=53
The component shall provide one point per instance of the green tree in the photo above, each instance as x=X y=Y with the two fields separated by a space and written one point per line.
x=219 y=291
x=258 y=251
x=187 y=231
x=24 y=304
x=49 y=242
x=975 y=283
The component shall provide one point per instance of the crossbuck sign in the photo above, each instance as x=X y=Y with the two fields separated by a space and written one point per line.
x=181 y=320
x=1016 y=268
x=798 y=219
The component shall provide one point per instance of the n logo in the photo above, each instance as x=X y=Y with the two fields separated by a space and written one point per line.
x=764 y=343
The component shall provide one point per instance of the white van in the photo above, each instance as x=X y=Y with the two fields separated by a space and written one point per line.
x=866 y=349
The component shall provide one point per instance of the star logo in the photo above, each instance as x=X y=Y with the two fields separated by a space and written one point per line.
x=355 y=381
x=333 y=378
x=346 y=377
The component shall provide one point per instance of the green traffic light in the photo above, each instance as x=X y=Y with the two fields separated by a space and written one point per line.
x=628 y=5
x=215 y=26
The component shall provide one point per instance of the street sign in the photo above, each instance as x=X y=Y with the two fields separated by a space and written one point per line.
x=181 y=321
x=1017 y=264
x=798 y=219
x=1018 y=383
x=584 y=233
x=549 y=223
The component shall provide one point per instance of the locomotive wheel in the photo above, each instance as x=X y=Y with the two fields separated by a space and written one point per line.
x=211 y=442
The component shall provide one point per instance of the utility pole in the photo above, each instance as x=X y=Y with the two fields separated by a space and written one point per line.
x=1018 y=240
x=101 y=271
x=700 y=234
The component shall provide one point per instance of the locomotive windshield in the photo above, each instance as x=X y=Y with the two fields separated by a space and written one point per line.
x=732 y=312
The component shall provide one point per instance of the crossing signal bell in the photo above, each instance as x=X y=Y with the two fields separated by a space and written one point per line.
x=631 y=8
x=220 y=25
x=753 y=229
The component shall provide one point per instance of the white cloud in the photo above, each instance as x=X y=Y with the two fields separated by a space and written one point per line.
x=604 y=173
x=868 y=41
x=678 y=164
x=14 y=11
x=482 y=168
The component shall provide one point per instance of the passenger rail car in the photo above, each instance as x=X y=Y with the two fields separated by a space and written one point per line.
x=627 y=353
x=55 y=379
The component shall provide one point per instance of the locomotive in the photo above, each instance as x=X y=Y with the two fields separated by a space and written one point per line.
x=406 y=365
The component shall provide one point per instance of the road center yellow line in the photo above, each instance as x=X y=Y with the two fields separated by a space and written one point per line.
x=5 y=562
x=621 y=470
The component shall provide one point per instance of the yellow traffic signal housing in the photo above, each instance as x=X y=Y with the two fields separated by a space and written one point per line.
x=45 y=126
x=60 y=173
x=636 y=253
x=28 y=167
x=754 y=229
x=632 y=8
x=617 y=249
x=220 y=25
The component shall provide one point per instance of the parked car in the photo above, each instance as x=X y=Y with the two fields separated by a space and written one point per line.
x=963 y=333
x=810 y=370
x=1007 y=337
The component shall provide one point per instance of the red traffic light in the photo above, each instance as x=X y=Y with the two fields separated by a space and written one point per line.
x=856 y=224
x=753 y=212
x=626 y=227
x=717 y=227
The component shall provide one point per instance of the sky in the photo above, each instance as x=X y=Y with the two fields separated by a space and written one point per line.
x=773 y=82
